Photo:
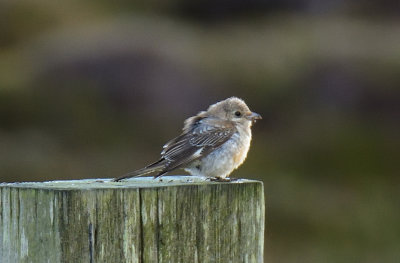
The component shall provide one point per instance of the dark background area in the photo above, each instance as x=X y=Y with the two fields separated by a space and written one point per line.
x=92 y=89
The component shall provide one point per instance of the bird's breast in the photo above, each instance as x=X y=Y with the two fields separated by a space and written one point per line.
x=242 y=148
x=223 y=160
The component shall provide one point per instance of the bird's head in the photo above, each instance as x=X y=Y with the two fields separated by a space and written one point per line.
x=235 y=110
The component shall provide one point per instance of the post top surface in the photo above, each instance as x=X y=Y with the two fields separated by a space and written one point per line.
x=138 y=182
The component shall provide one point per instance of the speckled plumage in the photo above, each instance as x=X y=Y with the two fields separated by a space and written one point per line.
x=212 y=144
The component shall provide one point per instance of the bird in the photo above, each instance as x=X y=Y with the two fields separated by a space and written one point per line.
x=212 y=144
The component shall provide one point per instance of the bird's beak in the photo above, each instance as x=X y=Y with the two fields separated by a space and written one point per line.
x=254 y=117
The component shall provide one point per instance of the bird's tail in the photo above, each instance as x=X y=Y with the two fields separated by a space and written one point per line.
x=154 y=167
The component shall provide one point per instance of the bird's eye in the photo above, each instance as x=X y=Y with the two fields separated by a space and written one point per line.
x=238 y=113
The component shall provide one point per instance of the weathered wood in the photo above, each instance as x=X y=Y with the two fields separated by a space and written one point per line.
x=179 y=219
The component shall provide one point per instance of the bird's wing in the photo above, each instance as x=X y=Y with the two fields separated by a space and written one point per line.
x=202 y=138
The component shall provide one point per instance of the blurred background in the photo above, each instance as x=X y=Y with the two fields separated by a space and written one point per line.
x=92 y=89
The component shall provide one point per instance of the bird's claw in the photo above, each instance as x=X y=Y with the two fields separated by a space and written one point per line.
x=221 y=179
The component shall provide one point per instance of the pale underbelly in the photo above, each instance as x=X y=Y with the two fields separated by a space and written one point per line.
x=222 y=161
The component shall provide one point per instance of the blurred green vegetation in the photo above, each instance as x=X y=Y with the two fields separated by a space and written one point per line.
x=94 y=88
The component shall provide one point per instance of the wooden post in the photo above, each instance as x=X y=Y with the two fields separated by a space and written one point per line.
x=176 y=219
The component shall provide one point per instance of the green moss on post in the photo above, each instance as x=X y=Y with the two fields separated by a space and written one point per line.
x=178 y=219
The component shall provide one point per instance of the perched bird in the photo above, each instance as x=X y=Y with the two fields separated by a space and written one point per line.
x=213 y=143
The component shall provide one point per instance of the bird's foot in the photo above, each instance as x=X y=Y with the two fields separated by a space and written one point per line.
x=222 y=179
